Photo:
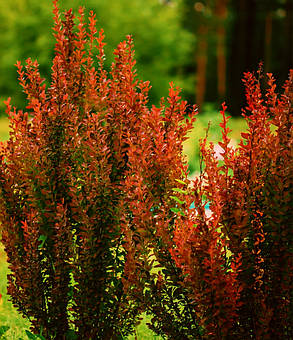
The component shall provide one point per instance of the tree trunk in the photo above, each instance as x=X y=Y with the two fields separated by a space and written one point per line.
x=221 y=13
x=289 y=34
x=201 y=65
x=268 y=41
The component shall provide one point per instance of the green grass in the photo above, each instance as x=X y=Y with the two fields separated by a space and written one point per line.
x=8 y=314
x=143 y=332
x=4 y=128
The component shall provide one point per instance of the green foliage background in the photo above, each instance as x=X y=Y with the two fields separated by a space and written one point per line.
x=162 y=45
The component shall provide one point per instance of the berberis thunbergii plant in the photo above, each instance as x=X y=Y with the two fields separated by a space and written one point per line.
x=65 y=171
x=237 y=259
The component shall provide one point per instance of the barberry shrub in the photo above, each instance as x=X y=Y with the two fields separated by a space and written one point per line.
x=61 y=175
x=92 y=182
x=83 y=170
x=155 y=184
x=237 y=259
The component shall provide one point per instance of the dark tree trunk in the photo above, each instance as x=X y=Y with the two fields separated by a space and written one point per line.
x=268 y=41
x=221 y=13
x=289 y=34
x=201 y=65
x=242 y=50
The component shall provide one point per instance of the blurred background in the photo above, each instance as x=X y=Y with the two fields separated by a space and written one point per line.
x=203 y=46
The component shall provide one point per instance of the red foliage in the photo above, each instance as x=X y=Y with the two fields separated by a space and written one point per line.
x=86 y=181
x=154 y=188
x=62 y=186
x=238 y=261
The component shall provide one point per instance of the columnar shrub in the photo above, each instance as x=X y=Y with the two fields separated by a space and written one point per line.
x=154 y=188
x=65 y=173
x=238 y=262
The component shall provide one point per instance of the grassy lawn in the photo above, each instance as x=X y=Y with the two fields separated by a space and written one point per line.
x=8 y=314
x=10 y=317
x=4 y=128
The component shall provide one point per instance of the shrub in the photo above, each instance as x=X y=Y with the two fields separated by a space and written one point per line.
x=154 y=188
x=66 y=210
x=237 y=262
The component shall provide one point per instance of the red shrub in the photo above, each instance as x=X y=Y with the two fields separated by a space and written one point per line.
x=85 y=183
x=238 y=261
x=62 y=192
x=154 y=189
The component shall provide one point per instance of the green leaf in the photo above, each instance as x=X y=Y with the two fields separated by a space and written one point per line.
x=179 y=181
x=42 y=239
x=180 y=191
x=70 y=292
x=3 y=330
x=31 y=335
x=175 y=198
x=177 y=211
